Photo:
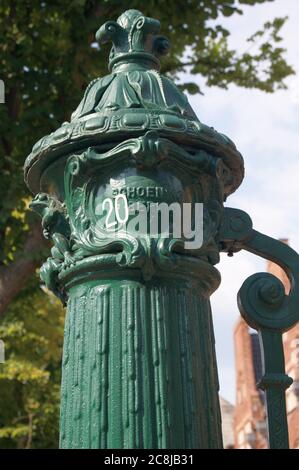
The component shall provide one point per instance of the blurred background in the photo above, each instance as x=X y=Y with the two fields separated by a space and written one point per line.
x=237 y=61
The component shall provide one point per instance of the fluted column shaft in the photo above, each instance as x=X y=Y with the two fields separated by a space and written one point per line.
x=139 y=367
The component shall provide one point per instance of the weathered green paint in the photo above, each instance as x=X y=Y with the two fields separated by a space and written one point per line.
x=274 y=382
x=265 y=307
x=134 y=371
x=139 y=367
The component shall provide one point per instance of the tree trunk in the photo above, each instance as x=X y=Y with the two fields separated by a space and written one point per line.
x=14 y=276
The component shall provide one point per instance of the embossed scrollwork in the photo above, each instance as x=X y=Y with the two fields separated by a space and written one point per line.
x=264 y=306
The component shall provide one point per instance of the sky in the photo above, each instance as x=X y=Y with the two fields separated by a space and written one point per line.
x=265 y=129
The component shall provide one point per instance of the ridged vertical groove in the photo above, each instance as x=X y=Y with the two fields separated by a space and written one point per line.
x=139 y=369
x=162 y=369
x=95 y=375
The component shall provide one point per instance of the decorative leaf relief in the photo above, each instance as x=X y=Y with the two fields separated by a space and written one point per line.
x=77 y=232
x=57 y=229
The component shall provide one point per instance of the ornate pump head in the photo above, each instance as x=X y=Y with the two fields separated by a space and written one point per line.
x=135 y=38
x=127 y=103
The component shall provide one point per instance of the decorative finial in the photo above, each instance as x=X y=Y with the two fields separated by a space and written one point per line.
x=135 y=37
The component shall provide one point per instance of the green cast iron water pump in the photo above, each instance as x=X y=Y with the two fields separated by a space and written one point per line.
x=139 y=367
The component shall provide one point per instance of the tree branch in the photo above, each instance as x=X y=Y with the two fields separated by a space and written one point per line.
x=181 y=65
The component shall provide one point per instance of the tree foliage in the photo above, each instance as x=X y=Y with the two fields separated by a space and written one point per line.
x=47 y=58
x=30 y=378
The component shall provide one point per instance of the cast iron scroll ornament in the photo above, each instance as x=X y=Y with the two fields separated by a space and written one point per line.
x=139 y=358
x=139 y=367
x=265 y=307
x=135 y=120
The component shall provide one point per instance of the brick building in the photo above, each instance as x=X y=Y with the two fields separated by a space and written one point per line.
x=227 y=417
x=250 y=414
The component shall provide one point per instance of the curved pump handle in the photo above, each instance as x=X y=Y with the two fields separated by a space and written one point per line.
x=265 y=307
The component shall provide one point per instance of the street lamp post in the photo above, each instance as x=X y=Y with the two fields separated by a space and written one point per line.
x=139 y=367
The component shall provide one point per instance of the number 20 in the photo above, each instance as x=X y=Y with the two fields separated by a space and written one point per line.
x=120 y=220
